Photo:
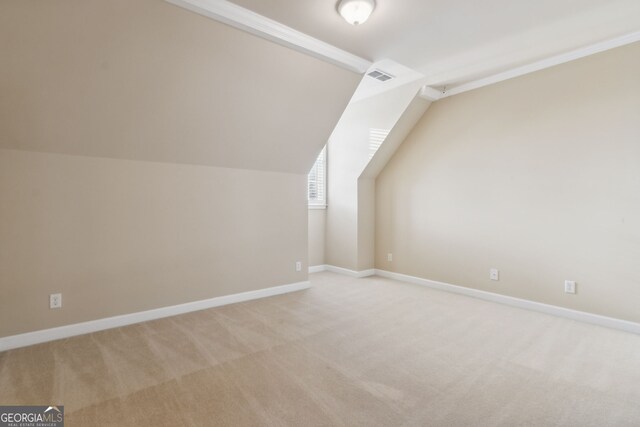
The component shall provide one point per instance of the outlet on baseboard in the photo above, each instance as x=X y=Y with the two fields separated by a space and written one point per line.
x=569 y=287
x=55 y=301
x=298 y=266
x=389 y=257
x=494 y=274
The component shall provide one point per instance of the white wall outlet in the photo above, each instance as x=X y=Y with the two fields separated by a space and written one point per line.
x=389 y=257
x=494 y=274
x=298 y=266
x=55 y=301
x=569 y=287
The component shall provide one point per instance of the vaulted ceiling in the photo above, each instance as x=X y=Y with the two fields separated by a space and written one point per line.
x=146 y=80
x=454 y=41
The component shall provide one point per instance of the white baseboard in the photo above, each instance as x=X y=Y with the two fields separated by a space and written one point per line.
x=340 y=270
x=317 y=268
x=594 y=319
x=37 y=337
x=352 y=273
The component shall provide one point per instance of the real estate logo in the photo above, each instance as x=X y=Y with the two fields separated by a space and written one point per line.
x=31 y=416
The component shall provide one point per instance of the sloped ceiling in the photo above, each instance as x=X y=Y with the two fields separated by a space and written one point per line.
x=454 y=41
x=146 y=80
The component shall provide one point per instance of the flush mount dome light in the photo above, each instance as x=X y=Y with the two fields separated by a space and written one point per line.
x=355 y=12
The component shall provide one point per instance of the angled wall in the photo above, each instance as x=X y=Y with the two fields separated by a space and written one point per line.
x=538 y=176
x=367 y=180
x=150 y=81
x=362 y=129
x=149 y=157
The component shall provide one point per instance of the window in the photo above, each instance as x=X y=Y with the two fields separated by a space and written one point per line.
x=317 y=181
x=376 y=138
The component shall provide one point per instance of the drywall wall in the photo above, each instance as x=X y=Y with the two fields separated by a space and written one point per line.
x=147 y=80
x=537 y=176
x=121 y=236
x=367 y=180
x=150 y=156
x=366 y=223
x=317 y=224
x=351 y=147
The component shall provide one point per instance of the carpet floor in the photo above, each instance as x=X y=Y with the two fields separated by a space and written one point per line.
x=352 y=352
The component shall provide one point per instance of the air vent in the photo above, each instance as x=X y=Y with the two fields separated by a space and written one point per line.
x=380 y=75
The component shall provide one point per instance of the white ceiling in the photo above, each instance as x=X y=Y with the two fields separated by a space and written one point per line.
x=454 y=41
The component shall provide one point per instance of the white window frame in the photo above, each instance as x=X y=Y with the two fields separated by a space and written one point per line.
x=318 y=176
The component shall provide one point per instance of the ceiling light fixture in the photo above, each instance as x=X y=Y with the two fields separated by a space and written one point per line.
x=356 y=12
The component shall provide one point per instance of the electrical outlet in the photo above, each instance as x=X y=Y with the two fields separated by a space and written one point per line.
x=569 y=287
x=389 y=257
x=298 y=266
x=55 y=301
x=494 y=274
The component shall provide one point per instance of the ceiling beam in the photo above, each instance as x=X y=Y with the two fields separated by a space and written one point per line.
x=246 y=20
x=229 y=13
x=429 y=93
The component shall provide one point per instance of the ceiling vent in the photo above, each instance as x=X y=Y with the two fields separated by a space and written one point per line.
x=380 y=75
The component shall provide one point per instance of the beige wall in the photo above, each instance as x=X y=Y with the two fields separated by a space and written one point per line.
x=147 y=80
x=317 y=222
x=349 y=154
x=537 y=176
x=108 y=87
x=366 y=223
x=120 y=236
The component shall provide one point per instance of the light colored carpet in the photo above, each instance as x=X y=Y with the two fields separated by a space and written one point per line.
x=346 y=352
